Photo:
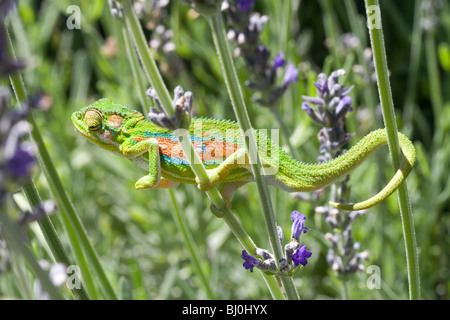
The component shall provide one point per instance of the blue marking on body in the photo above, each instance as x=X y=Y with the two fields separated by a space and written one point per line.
x=184 y=162
x=172 y=137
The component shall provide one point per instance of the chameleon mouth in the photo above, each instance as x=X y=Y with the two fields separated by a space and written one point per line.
x=77 y=120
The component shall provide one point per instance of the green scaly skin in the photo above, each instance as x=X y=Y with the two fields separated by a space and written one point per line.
x=219 y=144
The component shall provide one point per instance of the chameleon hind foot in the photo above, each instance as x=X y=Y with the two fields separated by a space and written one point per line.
x=229 y=189
x=238 y=159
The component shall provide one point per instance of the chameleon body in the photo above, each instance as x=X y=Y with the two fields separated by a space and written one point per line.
x=220 y=146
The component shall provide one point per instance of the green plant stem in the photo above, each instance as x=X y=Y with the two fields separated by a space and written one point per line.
x=47 y=228
x=330 y=23
x=149 y=64
x=344 y=287
x=379 y=53
x=357 y=27
x=240 y=110
x=437 y=100
x=134 y=63
x=218 y=204
x=190 y=244
x=414 y=63
x=68 y=213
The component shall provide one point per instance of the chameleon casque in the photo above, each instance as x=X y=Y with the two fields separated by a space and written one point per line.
x=220 y=146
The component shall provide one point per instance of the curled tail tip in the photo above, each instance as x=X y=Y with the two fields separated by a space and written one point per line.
x=342 y=206
x=350 y=206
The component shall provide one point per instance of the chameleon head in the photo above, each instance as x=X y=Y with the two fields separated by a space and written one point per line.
x=103 y=122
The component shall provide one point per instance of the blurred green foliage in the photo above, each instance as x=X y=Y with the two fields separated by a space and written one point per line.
x=134 y=232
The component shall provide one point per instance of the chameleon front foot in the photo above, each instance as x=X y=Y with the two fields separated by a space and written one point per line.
x=147 y=182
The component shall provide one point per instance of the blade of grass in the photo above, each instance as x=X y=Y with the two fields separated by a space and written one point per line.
x=414 y=63
x=137 y=74
x=437 y=100
x=387 y=104
x=330 y=23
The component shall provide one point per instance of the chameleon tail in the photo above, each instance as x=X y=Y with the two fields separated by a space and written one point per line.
x=409 y=157
x=298 y=176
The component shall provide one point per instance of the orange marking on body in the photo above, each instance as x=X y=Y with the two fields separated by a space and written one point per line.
x=106 y=136
x=208 y=151
x=115 y=121
x=217 y=150
x=169 y=148
x=139 y=139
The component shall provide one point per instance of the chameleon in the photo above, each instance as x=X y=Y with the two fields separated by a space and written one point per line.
x=220 y=146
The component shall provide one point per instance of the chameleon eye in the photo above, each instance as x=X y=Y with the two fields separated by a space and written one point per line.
x=95 y=128
x=93 y=119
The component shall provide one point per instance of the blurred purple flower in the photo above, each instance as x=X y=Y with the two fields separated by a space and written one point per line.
x=246 y=27
x=6 y=6
x=20 y=163
x=245 y=5
x=321 y=84
x=278 y=61
x=290 y=75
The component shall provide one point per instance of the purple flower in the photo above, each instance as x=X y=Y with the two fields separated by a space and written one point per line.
x=291 y=75
x=250 y=261
x=344 y=105
x=297 y=229
x=245 y=5
x=278 y=61
x=306 y=107
x=321 y=84
x=20 y=163
x=300 y=255
x=6 y=6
